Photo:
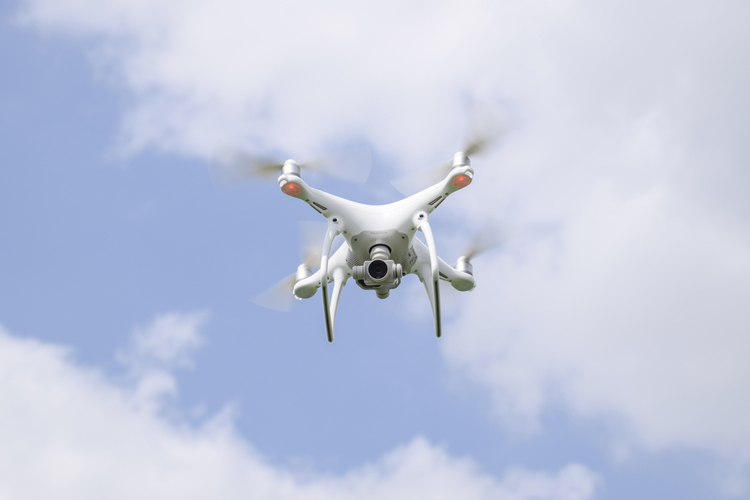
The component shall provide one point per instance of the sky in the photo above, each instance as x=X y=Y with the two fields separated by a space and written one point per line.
x=603 y=354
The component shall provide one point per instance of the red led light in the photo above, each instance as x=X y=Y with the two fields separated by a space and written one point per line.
x=461 y=181
x=291 y=189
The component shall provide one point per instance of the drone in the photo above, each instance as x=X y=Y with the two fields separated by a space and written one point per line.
x=381 y=246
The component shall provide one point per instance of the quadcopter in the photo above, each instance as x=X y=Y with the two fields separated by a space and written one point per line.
x=380 y=247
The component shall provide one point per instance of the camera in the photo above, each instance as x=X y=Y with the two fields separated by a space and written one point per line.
x=380 y=270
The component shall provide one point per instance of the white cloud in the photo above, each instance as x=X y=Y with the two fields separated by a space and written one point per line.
x=155 y=351
x=627 y=297
x=167 y=342
x=625 y=311
x=69 y=432
x=628 y=169
x=295 y=75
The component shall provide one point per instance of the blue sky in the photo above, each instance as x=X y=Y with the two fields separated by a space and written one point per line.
x=605 y=347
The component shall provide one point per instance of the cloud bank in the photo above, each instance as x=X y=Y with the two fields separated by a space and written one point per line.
x=70 y=432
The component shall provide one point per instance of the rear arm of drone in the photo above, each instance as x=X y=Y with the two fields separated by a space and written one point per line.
x=460 y=280
x=430 y=268
x=334 y=269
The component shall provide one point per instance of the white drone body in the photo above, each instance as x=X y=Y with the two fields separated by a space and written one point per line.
x=380 y=242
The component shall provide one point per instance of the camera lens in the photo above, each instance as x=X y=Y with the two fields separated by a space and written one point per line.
x=377 y=269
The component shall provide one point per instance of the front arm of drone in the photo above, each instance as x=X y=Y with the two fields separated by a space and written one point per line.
x=292 y=184
x=396 y=215
x=431 y=269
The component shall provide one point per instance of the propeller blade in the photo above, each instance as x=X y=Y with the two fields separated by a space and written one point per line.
x=483 y=242
x=279 y=297
x=491 y=236
x=352 y=164
x=231 y=165
x=311 y=242
x=487 y=125
x=478 y=144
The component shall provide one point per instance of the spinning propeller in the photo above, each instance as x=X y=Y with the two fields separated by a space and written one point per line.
x=231 y=165
x=280 y=296
x=489 y=238
x=486 y=129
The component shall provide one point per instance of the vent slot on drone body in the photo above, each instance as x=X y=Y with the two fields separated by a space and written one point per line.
x=319 y=206
x=443 y=276
x=352 y=260
x=436 y=200
x=401 y=256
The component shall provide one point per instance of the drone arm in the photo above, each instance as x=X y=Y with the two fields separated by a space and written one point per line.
x=434 y=275
x=324 y=203
x=460 y=280
x=430 y=198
